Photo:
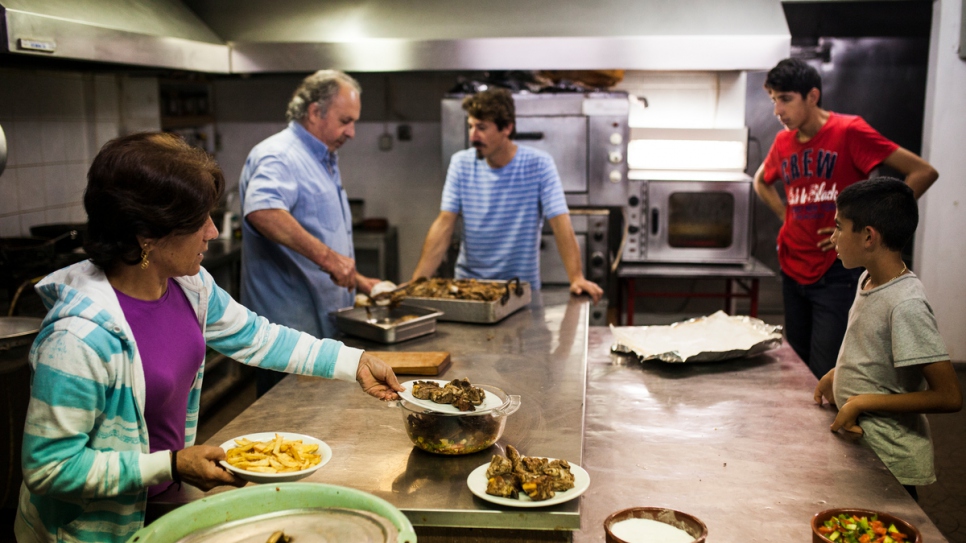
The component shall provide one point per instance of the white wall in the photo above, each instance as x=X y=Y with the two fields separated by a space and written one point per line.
x=940 y=258
x=55 y=122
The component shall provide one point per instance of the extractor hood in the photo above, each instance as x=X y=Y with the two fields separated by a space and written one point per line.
x=252 y=36
x=392 y=35
x=155 y=33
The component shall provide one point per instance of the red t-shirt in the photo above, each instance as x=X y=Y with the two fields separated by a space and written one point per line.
x=843 y=152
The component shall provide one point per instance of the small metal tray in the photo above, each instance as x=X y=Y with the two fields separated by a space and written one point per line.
x=476 y=311
x=381 y=322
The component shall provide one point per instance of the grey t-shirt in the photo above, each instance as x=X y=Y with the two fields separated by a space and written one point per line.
x=892 y=331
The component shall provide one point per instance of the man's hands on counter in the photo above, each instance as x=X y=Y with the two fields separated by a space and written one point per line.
x=377 y=378
x=198 y=466
x=583 y=286
x=847 y=415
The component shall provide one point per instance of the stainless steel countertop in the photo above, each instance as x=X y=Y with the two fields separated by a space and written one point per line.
x=739 y=444
x=538 y=352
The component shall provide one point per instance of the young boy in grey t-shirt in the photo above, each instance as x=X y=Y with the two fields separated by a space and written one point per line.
x=893 y=365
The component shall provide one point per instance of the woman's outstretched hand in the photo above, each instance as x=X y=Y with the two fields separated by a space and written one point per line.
x=377 y=378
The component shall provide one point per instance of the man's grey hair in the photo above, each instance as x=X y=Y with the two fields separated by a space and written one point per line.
x=320 y=88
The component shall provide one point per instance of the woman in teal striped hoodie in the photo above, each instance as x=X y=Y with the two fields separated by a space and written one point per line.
x=119 y=360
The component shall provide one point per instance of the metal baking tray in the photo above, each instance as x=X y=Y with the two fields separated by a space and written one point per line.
x=381 y=324
x=475 y=311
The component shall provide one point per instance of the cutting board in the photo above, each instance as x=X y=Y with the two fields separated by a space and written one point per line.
x=414 y=363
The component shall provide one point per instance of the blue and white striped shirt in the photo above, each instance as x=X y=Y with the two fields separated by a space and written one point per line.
x=503 y=211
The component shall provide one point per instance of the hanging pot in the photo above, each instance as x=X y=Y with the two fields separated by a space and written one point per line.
x=65 y=244
x=29 y=252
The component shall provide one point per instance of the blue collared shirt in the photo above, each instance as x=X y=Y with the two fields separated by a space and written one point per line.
x=294 y=171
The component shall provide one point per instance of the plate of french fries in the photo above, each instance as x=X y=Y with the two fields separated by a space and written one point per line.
x=275 y=457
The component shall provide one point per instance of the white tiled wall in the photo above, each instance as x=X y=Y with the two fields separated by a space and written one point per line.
x=55 y=122
x=403 y=185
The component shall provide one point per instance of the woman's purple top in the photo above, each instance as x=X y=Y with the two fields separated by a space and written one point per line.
x=171 y=346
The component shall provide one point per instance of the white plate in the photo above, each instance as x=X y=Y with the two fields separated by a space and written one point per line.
x=258 y=477
x=477 y=483
x=490 y=401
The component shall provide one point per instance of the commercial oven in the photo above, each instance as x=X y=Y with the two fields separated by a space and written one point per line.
x=688 y=216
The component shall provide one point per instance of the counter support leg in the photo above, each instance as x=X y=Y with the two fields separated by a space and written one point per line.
x=753 y=310
x=630 y=301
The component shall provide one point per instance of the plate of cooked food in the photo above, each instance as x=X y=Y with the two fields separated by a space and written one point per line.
x=456 y=396
x=275 y=457
x=527 y=481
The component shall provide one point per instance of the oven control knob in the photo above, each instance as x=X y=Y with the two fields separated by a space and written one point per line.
x=634 y=201
x=616 y=139
x=616 y=176
x=598 y=236
x=615 y=157
x=633 y=229
x=597 y=259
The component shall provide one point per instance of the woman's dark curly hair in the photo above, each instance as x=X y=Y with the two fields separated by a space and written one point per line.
x=150 y=184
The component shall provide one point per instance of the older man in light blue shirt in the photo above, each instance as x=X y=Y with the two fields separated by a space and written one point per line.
x=297 y=259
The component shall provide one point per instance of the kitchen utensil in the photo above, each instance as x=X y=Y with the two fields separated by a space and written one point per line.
x=65 y=243
x=414 y=363
x=252 y=501
x=457 y=433
x=258 y=477
x=517 y=295
x=386 y=324
x=28 y=252
x=818 y=520
x=309 y=525
x=683 y=521
x=477 y=483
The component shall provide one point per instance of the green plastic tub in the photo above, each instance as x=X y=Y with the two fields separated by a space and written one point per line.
x=257 y=500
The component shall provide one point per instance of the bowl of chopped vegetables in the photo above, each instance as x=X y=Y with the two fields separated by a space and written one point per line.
x=861 y=526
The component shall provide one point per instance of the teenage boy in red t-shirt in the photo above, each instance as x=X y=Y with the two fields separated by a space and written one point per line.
x=817 y=155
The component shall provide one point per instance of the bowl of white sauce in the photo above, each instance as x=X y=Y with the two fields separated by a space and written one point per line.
x=654 y=525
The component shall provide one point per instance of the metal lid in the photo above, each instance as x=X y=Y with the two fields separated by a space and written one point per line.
x=17 y=331
x=308 y=525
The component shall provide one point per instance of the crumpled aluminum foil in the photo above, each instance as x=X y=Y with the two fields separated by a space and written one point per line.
x=710 y=338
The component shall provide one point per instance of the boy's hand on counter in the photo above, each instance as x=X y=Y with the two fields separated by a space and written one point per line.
x=823 y=390
x=847 y=417
x=198 y=466
x=377 y=378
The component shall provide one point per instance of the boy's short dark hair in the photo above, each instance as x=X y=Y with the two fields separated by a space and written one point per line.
x=886 y=204
x=794 y=75
x=493 y=105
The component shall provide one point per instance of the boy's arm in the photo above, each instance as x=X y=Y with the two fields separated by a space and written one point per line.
x=943 y=395
x=768 y=193
x=920 y=175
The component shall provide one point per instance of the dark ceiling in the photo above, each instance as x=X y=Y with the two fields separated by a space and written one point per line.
x=808 y=21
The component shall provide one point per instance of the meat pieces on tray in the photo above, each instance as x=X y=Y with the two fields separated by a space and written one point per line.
x=458 y=392
x=538 y=477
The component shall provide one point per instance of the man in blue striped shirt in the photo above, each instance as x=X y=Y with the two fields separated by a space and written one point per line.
x=503 y=191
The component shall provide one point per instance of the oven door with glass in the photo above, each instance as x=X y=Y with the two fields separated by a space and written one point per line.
x=704 y=218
